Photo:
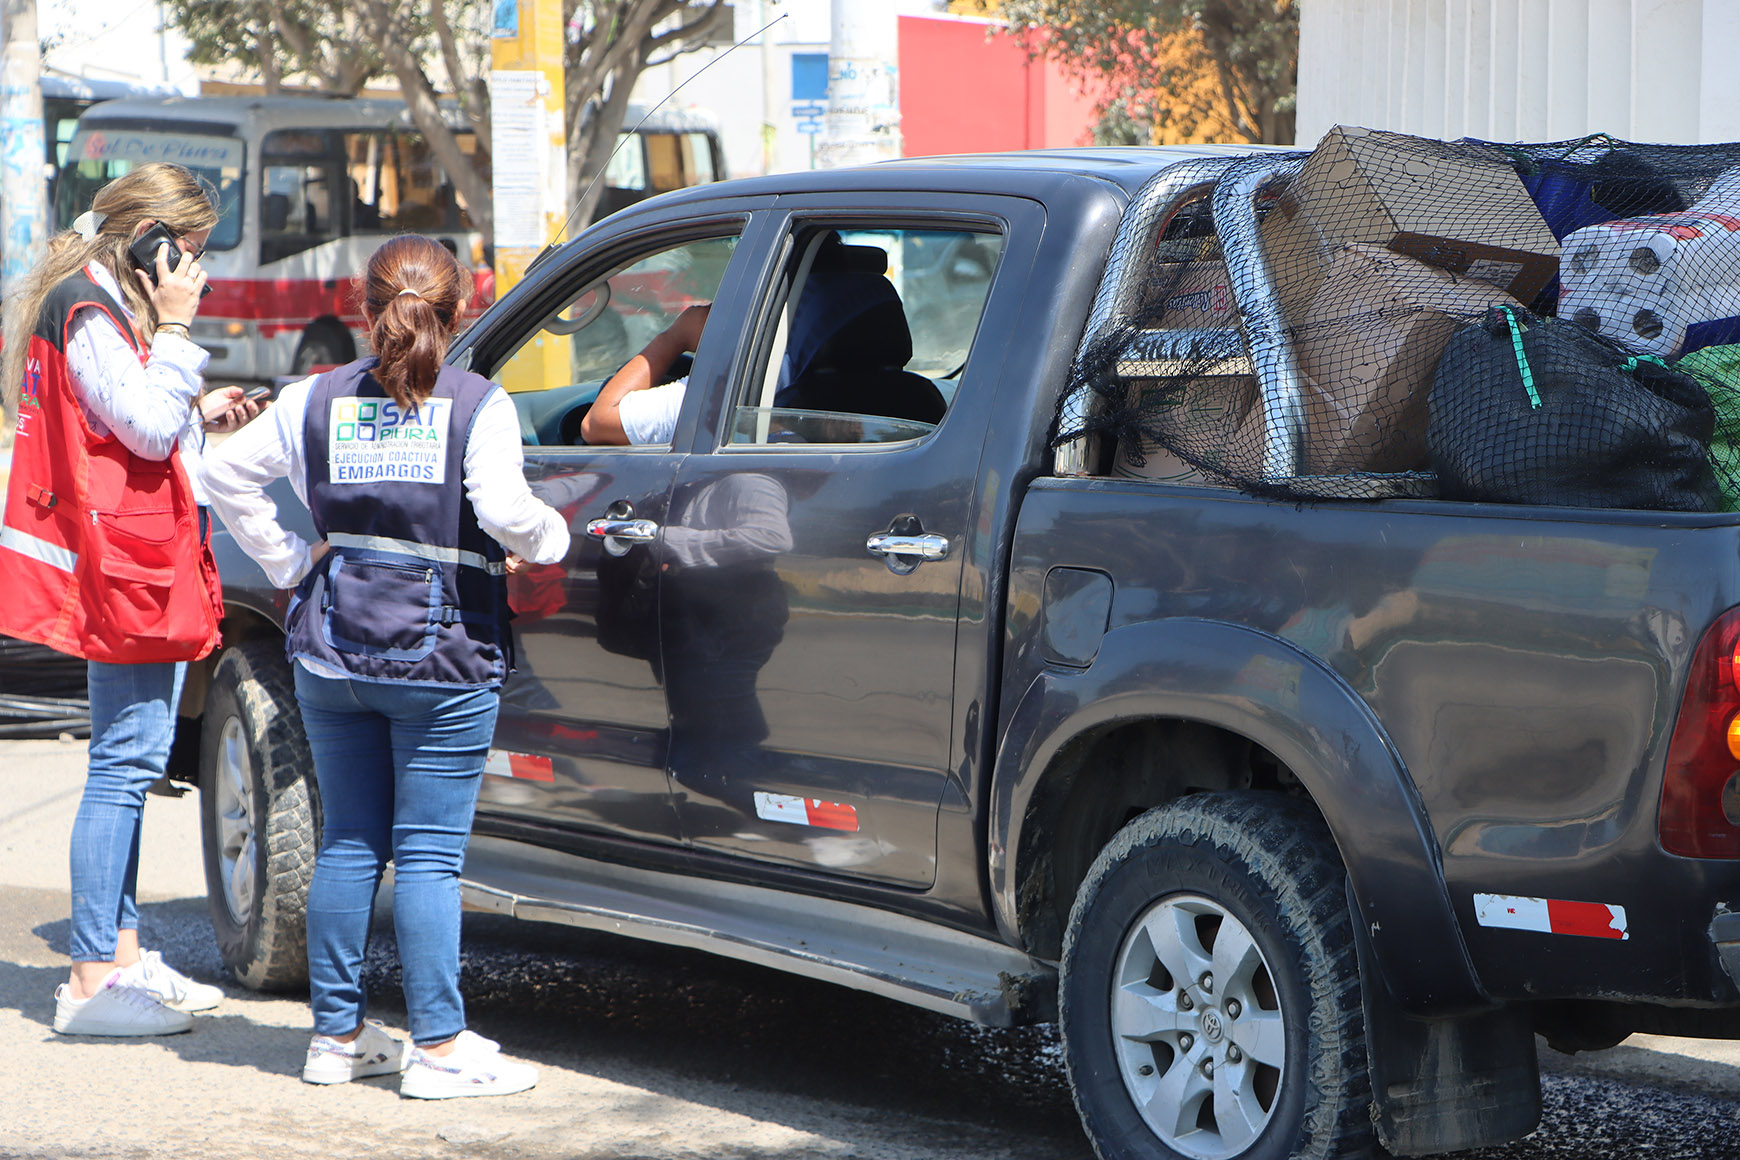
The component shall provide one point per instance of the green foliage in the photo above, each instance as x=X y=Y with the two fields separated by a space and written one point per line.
x=341 y=46
x=1180 y=64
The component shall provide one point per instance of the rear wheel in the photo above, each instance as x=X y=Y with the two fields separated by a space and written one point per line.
x=260 y=817
x=324 y=344
x=1210 y=1000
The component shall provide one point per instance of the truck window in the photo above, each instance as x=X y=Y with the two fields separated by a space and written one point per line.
x=870 y=337
x=605 y=319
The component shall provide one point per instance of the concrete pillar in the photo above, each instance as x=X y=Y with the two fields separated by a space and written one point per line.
x=1534 y=95
x=1667 y=67
x=23 y=188
x=1567 y=69
x=1455 y=50
x=863 y=121
x=1719 y=100
x=1477 y=105
x=1609 y=48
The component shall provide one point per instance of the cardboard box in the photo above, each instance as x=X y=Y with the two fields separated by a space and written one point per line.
x=1367 y=348
x=1461 y=208
x=1214 y=419
x=1190 y=296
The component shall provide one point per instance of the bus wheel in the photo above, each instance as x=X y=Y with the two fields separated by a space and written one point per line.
x=323 y=344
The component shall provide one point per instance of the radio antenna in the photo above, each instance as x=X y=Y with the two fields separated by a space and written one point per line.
x=624 y=138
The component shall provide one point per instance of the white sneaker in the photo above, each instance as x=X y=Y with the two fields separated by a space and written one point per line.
x=475 y=1067
x=172 y=988
x=118 y=1008
x=374 y=1052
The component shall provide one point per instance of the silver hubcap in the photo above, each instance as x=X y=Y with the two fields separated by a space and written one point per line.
x=235 y=820
x=1196 y=1027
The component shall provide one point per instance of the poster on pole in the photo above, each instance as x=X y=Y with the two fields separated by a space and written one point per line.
x=520 y=129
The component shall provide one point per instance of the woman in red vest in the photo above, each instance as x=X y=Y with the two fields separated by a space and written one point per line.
x=103 y=544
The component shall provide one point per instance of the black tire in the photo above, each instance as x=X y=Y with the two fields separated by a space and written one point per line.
x=260 y=817
x=324 y=344
x=1285 y=1034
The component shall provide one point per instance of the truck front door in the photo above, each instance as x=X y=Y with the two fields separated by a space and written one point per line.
x=580 y=742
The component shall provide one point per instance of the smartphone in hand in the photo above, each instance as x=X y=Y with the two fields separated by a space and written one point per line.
x=143 y=253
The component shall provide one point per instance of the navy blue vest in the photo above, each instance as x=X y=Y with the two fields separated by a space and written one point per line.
x=412 y=590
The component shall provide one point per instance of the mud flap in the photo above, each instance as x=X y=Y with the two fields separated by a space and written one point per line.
x=1444 y=1085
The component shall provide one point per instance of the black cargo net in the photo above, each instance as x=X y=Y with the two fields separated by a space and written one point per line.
x=1393 y=316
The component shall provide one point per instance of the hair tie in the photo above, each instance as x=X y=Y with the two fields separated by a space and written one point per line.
x=408 y=290
x=88 y=223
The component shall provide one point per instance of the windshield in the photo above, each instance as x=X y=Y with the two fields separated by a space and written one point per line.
x=100 y=153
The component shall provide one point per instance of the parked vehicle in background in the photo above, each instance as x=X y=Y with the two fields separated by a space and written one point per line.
x=64 y=101
x=660 y=150
x=307 y=188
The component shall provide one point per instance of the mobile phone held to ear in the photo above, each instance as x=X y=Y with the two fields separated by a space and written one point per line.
x=143 y=253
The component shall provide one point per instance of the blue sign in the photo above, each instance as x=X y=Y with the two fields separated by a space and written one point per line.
x=810 y=115
x=507 y=19
x=809 y=76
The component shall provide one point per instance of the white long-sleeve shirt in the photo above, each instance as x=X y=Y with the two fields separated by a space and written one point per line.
x=238 y=470
x=151 y=407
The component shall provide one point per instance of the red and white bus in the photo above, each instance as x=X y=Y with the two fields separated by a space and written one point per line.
x=308 y=188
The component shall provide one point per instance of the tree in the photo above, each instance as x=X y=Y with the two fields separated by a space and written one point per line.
x=1181 y=69
x=442 y=47
x=610 y=42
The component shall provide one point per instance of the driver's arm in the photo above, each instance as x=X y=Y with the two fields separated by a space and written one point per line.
x=603 y=421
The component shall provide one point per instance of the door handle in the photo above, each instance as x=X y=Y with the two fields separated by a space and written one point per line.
x=634 y=531
x=904 y=553
x=620 y=531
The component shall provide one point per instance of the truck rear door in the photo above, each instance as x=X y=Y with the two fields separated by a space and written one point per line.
x=810 y=557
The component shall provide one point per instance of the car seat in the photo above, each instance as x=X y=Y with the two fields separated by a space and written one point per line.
x=851 y=343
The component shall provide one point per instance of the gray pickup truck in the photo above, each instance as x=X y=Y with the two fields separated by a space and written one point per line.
x=1303 y=816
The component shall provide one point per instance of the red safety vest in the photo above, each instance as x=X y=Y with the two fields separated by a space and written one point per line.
x=101 y=548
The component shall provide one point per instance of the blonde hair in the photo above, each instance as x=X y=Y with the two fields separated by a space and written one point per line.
x=159 y=192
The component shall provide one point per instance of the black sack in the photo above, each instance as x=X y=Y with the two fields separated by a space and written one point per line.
x=1610 y=430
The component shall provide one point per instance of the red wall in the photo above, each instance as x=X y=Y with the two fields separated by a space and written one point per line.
x=966 y=86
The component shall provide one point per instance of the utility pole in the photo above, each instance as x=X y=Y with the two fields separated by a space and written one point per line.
x=529 y=164
x=23 y=189
x=863 y=121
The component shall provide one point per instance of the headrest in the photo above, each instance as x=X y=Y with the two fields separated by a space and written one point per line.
x=847 y=310
x=835 y=255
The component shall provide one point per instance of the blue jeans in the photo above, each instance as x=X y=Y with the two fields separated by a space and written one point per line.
x=398 y=768
x=132 y=727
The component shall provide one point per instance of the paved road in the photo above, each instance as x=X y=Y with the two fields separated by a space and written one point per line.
x=646 y=1053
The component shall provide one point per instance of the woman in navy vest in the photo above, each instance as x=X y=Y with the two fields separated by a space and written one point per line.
x=398 y=634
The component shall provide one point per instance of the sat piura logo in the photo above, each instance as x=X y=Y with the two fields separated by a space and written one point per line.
x=376 y=440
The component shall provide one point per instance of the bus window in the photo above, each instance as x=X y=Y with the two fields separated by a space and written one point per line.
x=679 y=160
x=627 y=168
x=296 y=202
x=396 y=183
x=97 y=156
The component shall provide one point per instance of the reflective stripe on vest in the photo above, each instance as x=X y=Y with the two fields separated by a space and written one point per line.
x=41 y=550
x=420 y=551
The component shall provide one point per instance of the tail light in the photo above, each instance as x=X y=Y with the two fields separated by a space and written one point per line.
x=1700 y=794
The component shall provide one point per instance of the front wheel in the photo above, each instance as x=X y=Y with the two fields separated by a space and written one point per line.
x=1210 y=998
x=260 y=817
